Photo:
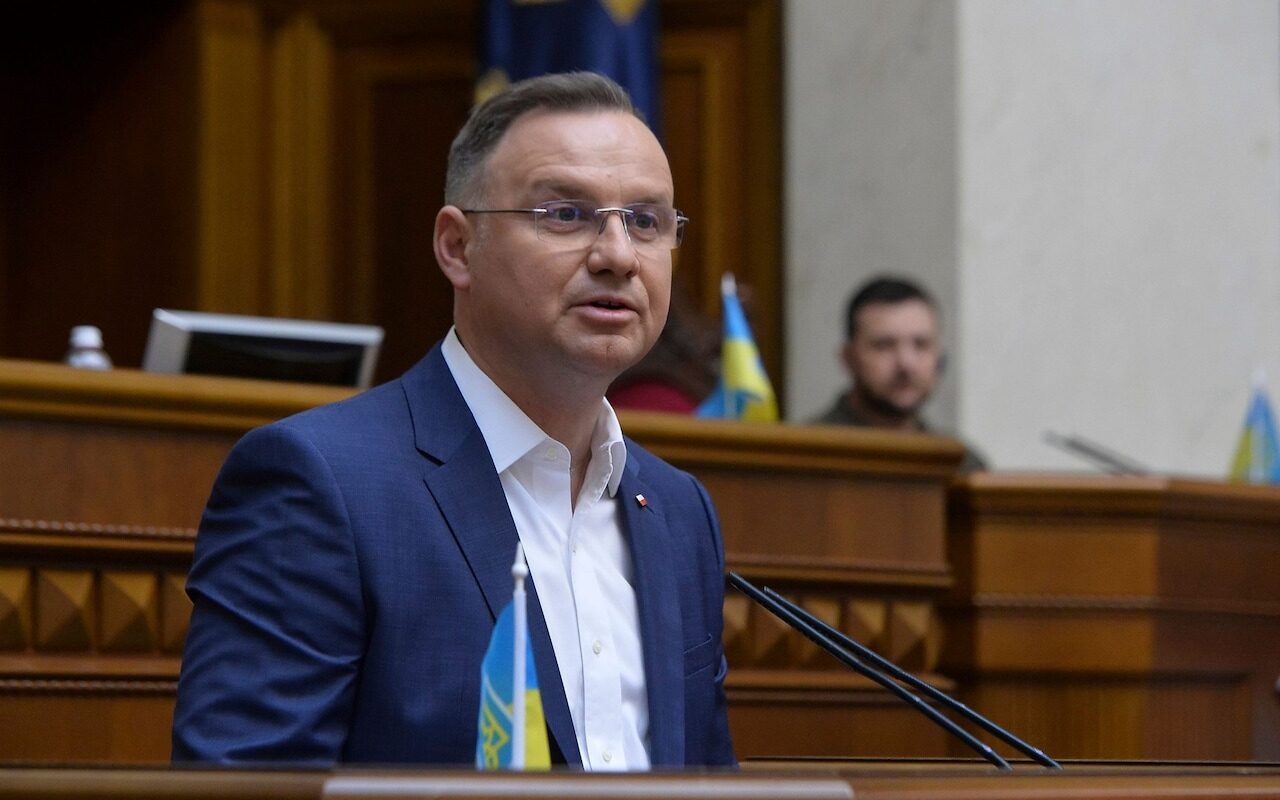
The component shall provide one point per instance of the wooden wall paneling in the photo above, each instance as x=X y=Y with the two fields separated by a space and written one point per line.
x=701 y=99
x=77 y=473
x=301 y=250
x=721 y=104
x=232 y=158
x=104 y=721
x=762 y=126
x=400 y=108
x=840 y=722
x=286 y=157
x=856 y=538
x=1121 y=717
x=102 y=480
x=99 y=122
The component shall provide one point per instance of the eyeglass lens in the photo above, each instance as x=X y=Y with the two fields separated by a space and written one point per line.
x=576 y=222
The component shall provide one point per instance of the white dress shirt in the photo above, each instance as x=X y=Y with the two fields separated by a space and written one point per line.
x=580 y=563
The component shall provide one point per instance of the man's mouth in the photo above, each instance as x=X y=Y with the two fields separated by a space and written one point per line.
x=608 y=304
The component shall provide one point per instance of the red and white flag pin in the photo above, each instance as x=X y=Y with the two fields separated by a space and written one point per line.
x=640 y=499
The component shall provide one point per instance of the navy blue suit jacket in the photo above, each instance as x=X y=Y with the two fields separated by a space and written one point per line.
x=348 y=571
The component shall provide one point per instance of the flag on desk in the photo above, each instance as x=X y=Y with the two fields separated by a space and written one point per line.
x=512 y=731
x=1257 y=456
x=744 y=391
x=618 y=38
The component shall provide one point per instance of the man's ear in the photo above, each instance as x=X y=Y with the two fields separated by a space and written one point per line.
x=450 y=240
x=942 y=363
x=845 y=354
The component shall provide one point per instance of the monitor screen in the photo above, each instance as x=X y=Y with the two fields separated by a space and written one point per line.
x=195 y=342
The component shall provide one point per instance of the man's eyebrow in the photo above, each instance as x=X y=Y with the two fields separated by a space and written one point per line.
x=560 y=189
x=563 y=190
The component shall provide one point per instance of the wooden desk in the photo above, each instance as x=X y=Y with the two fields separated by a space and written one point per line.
x=796 y=781
x=1119 y=617
x=103 y=477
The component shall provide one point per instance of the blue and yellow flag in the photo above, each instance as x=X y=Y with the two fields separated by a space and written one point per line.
x=1257 y=456
x=744 y=392
x=512 y=732
x=618 y=38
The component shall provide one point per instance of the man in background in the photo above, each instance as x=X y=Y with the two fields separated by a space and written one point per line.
x=893 y=354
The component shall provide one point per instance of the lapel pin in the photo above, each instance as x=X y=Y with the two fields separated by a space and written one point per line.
x=640 y=499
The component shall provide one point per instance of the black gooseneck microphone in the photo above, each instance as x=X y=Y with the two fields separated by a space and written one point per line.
x=1029 y=750
x=840 y=646
x=848 y=659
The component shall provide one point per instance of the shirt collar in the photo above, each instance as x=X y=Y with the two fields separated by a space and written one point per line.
x=508 y=432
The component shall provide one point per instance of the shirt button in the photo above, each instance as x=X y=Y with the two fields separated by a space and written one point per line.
x=607 y=756
x=596 y=647
x=551 y=454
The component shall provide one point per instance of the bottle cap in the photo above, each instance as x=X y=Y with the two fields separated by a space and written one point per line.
x=86 y=336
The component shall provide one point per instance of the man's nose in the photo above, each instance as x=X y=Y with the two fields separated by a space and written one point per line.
x=909 y=356
x=613 y=249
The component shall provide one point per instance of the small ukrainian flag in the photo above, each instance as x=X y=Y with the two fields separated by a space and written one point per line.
x=512 y=730
x=1257 y=456
x=744 y=391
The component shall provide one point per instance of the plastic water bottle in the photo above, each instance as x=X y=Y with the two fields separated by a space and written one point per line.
x=86 y=350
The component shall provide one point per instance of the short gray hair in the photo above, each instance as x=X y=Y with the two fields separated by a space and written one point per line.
x=489 y=121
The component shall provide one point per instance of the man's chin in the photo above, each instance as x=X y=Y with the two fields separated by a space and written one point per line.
x=608 y=356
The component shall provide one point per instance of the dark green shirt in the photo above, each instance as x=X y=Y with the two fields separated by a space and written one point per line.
x=842 y=414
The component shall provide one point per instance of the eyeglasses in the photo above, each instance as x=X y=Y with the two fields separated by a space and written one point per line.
x=577 y=223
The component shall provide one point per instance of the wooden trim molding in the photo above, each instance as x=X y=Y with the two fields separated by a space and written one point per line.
x=11 y=686
x=811 y=449
x=43 y=390
x=1084 y=496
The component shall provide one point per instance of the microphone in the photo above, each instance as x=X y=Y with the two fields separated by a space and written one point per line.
x=1103 y=458
x=797 y=622
x=1032 y=752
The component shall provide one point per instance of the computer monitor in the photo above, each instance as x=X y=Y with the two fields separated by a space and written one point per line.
x=332 y=353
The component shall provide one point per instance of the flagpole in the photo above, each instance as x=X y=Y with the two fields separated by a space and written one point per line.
x=729 y=288
x=1258 y=472
x=519 y=571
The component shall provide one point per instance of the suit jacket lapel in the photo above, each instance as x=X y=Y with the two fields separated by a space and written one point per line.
x=469 y=495
x=657 y=598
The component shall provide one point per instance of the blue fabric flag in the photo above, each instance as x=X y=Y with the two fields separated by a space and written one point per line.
x=618 y=38
x=1257 y=456
x=744 y=391
x=502 y=742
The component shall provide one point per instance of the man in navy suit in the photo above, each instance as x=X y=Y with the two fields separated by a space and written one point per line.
x=352 y=559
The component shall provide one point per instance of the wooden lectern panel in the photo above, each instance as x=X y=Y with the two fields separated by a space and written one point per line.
x=1119 y=617
x=102 y=480
x=848 y=523
x=103 y=477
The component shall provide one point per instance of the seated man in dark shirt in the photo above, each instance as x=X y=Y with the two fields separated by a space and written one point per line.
x=893 y=353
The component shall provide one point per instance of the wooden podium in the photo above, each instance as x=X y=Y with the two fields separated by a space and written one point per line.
x=1119 y=617
x=103 y=477
x=1096 y=617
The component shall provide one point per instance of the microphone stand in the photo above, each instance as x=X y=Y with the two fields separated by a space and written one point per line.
x=848 y=659
x=1032 y=752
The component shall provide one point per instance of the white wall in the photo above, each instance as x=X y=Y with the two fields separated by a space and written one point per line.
x=1115 y=247
x=870 y=172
